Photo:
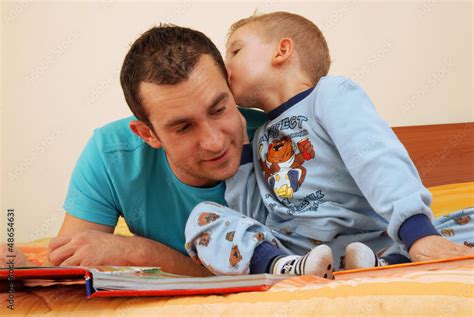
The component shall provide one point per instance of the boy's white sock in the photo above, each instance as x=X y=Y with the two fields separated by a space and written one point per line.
x=318 y=262
x=359 y=255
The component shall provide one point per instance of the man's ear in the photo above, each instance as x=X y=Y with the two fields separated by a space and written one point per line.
x=145 y=133
x=283 y=51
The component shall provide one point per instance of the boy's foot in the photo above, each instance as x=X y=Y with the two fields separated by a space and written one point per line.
x=359 y=256
x=318 y=262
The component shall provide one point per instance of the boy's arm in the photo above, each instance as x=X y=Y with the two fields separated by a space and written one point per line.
x=242 y=193
x=84 y=243
x=382 y=168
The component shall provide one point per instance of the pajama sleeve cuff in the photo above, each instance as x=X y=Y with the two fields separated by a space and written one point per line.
x=415 y=228
x=246 y=154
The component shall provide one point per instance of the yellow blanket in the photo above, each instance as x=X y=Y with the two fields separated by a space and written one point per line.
x=447 y=292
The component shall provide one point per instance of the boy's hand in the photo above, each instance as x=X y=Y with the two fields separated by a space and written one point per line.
x=244 y=129
x=436 y=247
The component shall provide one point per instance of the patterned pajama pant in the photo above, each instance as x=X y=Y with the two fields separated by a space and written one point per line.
x=224 y=240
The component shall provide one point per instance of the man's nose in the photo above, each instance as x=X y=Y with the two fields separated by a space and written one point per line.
x=211 y=139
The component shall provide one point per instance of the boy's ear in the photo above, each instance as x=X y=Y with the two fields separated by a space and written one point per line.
x=145 y=133
x=283 y=51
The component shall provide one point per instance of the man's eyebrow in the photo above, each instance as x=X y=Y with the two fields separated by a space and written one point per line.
x=216 y=101
x=219 y=98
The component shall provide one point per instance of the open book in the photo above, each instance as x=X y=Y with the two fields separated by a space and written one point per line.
x=108 y=281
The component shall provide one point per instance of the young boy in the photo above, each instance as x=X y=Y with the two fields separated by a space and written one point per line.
x=329 y=172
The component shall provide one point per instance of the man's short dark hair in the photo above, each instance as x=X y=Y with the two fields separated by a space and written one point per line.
x=163 y=55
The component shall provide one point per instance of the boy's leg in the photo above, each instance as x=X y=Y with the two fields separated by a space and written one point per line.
x=317 y=261
x=224 y=240
x=457 y=227
x=359 y=255
x=228 y=243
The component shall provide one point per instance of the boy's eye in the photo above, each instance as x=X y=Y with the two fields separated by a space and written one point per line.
x=234 y=52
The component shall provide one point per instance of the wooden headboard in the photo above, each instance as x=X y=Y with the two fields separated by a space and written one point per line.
x=442 y=153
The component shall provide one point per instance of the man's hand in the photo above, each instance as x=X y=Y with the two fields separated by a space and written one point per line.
x=436 y=247
x=95 y=248
x=90 y=248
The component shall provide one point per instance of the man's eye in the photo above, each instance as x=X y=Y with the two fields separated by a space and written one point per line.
x=219 y=111
x=184 y=128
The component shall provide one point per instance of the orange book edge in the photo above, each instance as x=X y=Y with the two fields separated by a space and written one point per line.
x=342 y=274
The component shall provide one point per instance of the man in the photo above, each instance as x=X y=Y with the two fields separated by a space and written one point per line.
x=187 y=139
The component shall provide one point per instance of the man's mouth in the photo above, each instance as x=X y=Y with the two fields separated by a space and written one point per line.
x=221 y=157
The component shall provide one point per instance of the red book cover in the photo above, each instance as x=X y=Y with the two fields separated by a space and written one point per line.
x=138 y=281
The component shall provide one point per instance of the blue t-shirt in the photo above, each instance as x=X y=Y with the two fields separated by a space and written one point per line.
x=118 y=174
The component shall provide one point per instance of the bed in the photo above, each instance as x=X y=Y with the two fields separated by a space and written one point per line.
x=444 y=156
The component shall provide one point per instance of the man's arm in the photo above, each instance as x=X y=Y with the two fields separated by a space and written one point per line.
x=85 y=243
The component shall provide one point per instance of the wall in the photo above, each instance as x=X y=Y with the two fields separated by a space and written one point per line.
x=60 y=65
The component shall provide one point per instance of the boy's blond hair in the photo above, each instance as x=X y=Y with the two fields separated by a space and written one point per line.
x=309 y=41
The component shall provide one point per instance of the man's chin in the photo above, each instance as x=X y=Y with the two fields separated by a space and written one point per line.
x=225 y=173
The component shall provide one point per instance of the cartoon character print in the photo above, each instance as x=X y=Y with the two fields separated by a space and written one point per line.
x=283 y=167
x=206 y=218
x=463 y=220
x=235 y=256
x=196 y=259
x=204 y=238
x=275 y=243
x=342 y=262
x=259 y=236
x=448 y=232
x=381 y=252
x=229 y=236
x=188 y=246
x=315 y=242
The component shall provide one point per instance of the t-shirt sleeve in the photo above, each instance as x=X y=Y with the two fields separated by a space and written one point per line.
x=255 y=118
x=375 y=158
x=90 y=195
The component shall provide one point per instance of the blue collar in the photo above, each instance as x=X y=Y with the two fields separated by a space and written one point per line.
x=289 y=103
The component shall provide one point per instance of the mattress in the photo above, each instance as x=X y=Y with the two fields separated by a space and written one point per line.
x=446 y=292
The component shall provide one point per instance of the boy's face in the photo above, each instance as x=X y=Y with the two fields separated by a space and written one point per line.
x=248 y=60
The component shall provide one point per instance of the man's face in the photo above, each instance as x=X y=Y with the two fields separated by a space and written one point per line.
x=198 y=125
x=248 y=62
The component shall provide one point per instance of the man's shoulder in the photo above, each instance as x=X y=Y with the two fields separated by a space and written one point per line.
x=255 y=118
x=117 y=136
